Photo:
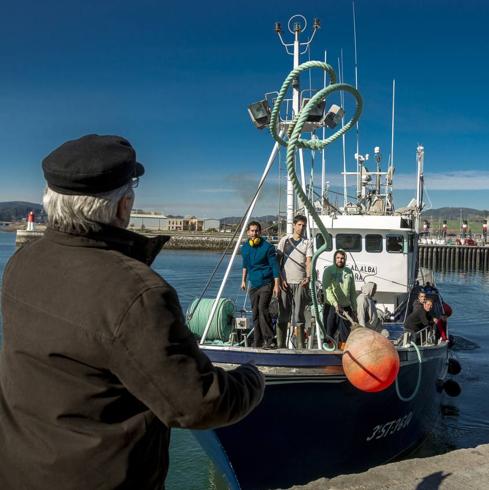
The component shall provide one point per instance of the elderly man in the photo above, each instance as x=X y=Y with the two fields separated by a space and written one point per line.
x=340 y=297
x=97 y=363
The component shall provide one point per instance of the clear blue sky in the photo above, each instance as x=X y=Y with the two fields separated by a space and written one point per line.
x=175 y=77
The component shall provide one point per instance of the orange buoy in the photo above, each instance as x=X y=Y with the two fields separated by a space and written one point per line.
x=370 y=361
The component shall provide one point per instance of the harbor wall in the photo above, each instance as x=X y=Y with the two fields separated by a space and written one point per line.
x=460 y=469
x=454 y=257
x=435 y=257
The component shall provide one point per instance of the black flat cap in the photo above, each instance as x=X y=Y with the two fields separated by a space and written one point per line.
x=91 y=165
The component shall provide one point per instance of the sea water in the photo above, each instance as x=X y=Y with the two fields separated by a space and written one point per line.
x=464 y=421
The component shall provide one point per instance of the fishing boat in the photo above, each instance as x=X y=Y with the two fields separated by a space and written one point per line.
x=313 y=422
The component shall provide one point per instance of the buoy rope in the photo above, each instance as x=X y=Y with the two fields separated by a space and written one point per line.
x=294 y=142
x=418 y=383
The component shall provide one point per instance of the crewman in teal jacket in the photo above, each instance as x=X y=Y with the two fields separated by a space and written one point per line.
x=260 y=266
x=340 y=297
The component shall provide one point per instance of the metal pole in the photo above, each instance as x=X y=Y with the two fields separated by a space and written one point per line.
x=419 y=184
x=392 y=125
x=343 y=138
x=303 y=184
x=269 y=165
x=295 y=107
x=323 y=154
x=359 y=163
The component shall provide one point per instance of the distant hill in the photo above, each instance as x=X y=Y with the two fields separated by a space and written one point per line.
x=454 y=213
x=18 y=210
x=234 y=220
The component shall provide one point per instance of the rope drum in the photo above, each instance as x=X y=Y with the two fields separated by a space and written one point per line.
x=222 y=323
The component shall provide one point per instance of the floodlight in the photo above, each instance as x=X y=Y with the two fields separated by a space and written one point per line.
x=317 y=112
x=316 y=23
x=333 y=116
x=278 y=27
x=260 y=113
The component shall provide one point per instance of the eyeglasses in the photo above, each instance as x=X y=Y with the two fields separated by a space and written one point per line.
x=134 y=182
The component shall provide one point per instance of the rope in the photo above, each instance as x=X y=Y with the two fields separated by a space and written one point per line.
x=420 y=368
x=294 y=142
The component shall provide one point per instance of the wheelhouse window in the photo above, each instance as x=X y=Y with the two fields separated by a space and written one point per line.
x=320 y=242
x=349 y=242
x=373 y=243
x=395 y=244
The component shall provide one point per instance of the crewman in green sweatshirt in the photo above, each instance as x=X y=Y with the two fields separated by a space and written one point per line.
x=340 y=297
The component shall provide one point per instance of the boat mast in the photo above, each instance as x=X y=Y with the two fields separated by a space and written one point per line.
x=419 y=184
x=296 y=25
x=357 y=154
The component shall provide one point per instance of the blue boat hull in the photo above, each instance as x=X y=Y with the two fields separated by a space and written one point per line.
x=308 y=427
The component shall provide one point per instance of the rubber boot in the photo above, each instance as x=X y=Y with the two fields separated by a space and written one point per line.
x=299 y=332
x=281 y=335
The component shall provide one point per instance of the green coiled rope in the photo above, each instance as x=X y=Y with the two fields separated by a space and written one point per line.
x=294 y=142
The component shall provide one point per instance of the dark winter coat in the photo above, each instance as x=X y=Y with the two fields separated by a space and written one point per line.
x=97 y=364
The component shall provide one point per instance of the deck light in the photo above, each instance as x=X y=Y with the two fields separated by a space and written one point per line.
x=278 y=27
x=260 y=113
x=333 y=116
x=317 y=113
x=316 y=23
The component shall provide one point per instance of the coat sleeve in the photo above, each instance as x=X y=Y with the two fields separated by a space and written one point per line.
x=328 y=288
x=273 y=261
x=352 y=292
x=361 y=313
x=244 y=254
x=157 y=359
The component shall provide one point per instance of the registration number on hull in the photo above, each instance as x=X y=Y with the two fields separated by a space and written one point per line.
x=389 y=428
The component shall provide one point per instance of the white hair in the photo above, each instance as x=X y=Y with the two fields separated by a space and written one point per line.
x=81 y=213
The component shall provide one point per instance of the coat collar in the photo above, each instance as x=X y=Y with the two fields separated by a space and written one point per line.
x=108 y=237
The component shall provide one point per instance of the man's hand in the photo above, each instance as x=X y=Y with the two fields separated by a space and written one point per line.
x=284 y=284
x=338 y=309
x=305 y=282
x=276 y=290
x=243 y=285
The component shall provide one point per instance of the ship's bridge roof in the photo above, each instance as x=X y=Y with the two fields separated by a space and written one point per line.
x=367 y=222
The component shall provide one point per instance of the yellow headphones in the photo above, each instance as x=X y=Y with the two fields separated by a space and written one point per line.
x=254 y=241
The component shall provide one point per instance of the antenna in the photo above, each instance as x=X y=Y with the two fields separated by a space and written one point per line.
x=392 y=128
x=359 y=164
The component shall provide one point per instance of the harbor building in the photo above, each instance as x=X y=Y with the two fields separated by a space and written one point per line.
x=161 y=222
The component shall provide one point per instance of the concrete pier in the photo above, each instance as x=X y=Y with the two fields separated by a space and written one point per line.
x=466 y=469
x=454 y=257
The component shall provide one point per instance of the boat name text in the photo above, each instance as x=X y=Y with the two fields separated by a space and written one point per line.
x=389 y=428
x=361 y=271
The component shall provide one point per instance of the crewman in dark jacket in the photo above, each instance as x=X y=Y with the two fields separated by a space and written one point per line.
x=260 y=266
x=420 y=317
x=97 y=364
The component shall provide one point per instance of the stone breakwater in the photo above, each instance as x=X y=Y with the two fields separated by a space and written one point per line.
x=200 y=242
x=179 y=241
